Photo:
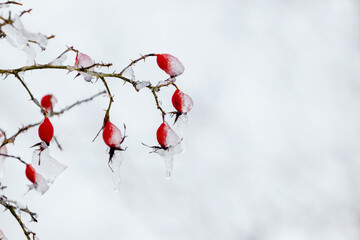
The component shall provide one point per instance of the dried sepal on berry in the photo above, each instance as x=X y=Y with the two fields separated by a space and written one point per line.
x=170 y=64
x=46 y=131
x=84 y=61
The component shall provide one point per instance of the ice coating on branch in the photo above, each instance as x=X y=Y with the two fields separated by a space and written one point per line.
x=47 y=166
x=20 y=38
x=166 y=82
x=170 y=64
x=115 y=165
x=2 y=235
x=38 y=181
x=59 y=60
x=3 y=5
x=83 y=60
x=3 y=150
x=129 y=73
x=30 y=53
x=142 y=84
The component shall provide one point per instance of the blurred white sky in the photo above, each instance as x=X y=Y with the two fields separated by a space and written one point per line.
x=272 y=149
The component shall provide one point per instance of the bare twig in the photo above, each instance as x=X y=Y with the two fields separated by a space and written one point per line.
x=31 y=95
x=11 y=2
x=12 y=156
x=27 y=127
x=77 y=103
x=163 y=113
x=107 y=113
x=15 y=210
x=133 y=62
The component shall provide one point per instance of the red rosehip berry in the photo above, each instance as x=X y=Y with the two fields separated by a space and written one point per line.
x=48 y=102
x=30 y=173
x=170 y=64
x=46 y=131
x=182 y=102
x=166 y=136
x=112 y=135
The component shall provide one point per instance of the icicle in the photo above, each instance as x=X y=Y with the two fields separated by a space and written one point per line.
x=115 y=165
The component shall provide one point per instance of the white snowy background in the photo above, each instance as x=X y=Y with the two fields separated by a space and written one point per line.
x=273 y=140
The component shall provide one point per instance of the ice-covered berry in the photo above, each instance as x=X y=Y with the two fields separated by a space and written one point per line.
x=170 y=64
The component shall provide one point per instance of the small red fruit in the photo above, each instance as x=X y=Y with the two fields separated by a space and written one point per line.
x=182 y=102
x=30 y=173
x=170 y=64
x=166 y=136
x=46 y=131
x=48 y=101
x=112 y=135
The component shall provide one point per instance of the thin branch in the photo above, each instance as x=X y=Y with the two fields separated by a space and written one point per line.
x=100 y=75
x=11 y=2
x=12 y=156
x=27 y=127
x=31 y=95
x=23 y=129
x=77 y=103
x=163 y=113
x=107 y=113
x=57 y=143
x=13 y=206
x=133 y=62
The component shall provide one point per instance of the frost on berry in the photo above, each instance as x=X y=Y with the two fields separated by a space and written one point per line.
x=83 y=60
x=170 y=64
x=18 y=37
x=48 y=102
x=115 y=165
x=166 y=136
x=112 y=135
x=182 y=102
x=46 y=131
x=47 y=166
x=38 y=181
x=2 y=235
